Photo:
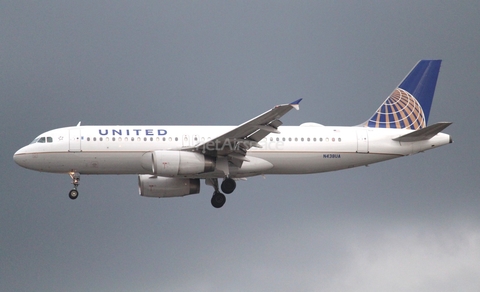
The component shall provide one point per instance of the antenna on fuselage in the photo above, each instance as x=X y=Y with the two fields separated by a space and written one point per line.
x=78 y=125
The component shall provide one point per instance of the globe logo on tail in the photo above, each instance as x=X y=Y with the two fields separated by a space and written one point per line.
x=401 y=110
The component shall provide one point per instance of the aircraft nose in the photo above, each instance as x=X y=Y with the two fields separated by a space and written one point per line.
x=16 y=157
x=19 y=158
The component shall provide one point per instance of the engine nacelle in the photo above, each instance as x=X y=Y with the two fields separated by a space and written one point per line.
x=173 y=163
x=163 y=187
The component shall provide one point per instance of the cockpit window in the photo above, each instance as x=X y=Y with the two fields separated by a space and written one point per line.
x=42 y=140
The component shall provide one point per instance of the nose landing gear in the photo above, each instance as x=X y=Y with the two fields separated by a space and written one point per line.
x=73 y=194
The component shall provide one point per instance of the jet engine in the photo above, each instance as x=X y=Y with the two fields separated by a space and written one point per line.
x=173 y=163
x=163 y=187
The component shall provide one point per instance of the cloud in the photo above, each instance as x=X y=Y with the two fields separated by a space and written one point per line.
x=338 y=256
x=412 y=258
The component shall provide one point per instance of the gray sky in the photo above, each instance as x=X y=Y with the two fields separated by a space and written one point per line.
x=411 y=224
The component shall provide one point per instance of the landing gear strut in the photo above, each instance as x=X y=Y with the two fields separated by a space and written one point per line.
x=73 y=194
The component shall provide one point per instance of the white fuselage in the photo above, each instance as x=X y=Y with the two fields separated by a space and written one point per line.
x=296 y=150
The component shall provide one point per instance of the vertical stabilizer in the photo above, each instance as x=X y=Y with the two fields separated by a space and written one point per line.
x=408 y=107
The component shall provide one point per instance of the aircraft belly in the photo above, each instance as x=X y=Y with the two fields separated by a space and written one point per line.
x=113 y=163
x=315 y=162
x=90 y=162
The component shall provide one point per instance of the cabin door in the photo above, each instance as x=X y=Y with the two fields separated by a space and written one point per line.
x=362 y=141
x=75 y=141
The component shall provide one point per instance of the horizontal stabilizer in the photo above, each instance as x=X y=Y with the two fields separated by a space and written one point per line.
x=423 y=134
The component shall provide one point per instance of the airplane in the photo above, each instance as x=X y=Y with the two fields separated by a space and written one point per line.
x=170 y=161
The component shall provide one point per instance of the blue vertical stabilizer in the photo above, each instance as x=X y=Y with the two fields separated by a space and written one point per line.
x=408 y=107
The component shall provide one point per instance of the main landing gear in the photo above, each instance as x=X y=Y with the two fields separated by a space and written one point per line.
x=228 y=185
x=73 y=194
x=218 y=198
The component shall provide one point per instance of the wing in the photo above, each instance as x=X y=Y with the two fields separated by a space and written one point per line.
x=235 y=143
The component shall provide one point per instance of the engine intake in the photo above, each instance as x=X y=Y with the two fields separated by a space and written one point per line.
x=163 y=187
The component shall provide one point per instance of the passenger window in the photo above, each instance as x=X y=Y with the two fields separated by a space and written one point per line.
x=94 y=138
